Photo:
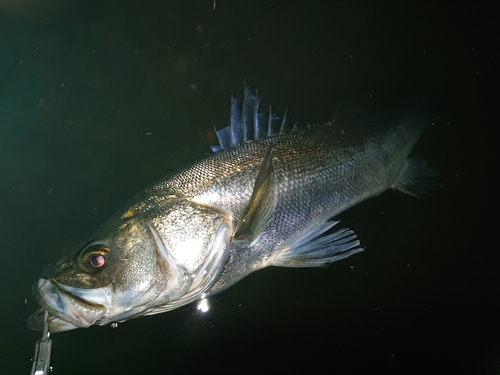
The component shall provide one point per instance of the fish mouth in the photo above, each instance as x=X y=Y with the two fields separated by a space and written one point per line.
x=69 y=307
x=36 y=322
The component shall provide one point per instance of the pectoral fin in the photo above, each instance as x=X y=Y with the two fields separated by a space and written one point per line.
x=262 y=201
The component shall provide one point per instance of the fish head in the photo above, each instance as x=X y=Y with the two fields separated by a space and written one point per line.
x=145 y=260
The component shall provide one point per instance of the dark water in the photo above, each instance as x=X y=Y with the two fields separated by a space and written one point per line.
x=99 y=99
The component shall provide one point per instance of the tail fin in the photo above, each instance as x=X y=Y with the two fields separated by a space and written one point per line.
x=417 y=179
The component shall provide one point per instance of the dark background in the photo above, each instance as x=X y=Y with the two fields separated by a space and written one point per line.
x=100 y=98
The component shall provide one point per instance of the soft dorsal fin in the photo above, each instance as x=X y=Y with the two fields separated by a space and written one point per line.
x=262 y=201
x=246 y=123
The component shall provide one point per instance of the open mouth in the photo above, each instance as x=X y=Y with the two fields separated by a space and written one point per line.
x=70 y=307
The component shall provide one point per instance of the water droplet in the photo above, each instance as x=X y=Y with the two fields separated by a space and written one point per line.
x=114 y=325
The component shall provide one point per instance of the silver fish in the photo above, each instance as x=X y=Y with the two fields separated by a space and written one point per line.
x=265 y=197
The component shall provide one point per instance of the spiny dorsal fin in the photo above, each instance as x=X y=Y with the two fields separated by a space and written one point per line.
x=262 y=201
x=246 y=123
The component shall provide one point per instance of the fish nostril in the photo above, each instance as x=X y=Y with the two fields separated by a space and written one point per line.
x=47 y=271
x=55 y=267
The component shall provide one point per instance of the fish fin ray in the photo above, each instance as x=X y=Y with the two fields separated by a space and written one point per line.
x=314 y=249
x=417 y=179
x=262 y=200
x=246 y=123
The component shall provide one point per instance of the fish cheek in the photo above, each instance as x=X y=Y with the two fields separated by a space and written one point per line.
x=133 y=266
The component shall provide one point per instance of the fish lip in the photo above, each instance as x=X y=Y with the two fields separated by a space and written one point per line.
x=69 y=310
x=36 y=322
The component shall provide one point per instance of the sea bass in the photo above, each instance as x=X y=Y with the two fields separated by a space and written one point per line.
x=264 y=197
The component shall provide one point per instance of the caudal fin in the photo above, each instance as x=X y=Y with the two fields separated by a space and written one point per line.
x=417 y=179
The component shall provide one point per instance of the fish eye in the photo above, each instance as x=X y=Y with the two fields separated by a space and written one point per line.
x=93 y=258
x=97 y=260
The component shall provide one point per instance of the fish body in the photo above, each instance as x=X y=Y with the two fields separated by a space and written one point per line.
x=265 y=197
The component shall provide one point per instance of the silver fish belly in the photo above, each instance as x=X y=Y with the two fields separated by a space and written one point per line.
x=266 y=196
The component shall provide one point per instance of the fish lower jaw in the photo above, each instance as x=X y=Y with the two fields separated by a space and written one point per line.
x=67 y=310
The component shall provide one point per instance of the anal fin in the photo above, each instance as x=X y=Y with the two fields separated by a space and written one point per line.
x=312 y=249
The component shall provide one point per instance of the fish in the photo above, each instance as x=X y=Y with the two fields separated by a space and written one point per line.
x=267 y=195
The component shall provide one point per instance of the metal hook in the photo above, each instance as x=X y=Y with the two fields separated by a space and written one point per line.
x=43 y=347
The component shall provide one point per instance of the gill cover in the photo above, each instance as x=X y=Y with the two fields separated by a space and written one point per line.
x=184 y=287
